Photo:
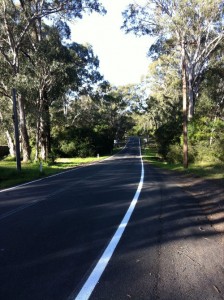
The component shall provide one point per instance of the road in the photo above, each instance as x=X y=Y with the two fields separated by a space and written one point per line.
x=53 y=232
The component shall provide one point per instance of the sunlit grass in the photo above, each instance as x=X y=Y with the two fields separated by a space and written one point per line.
x=31 y=171
x=206 y=170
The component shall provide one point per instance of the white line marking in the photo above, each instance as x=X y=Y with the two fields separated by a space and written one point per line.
x=44 y=178
x=57 y=174
x=94 y=277
x=21 y=208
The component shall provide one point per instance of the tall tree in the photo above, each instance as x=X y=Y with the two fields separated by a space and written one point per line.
x=16 y=20
x=193 y=27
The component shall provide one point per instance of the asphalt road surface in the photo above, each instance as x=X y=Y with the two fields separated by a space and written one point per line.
x=53 y=233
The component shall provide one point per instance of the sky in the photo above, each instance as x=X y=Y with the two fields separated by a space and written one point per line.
x=123 y=57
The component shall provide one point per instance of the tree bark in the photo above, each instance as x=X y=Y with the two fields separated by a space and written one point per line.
x=23 y=130
x=16 y=131
x=45 y=136
x=190 y=94
x=184 y=90
x=37 y=138
x=11 y=144
x=10 y=141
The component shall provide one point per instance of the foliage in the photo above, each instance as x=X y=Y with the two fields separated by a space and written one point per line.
x=207 y=137
x=38 y=65
x=206 y=140
x=206 y=170
x=166 y=135
x=188 y=37
x=83 y=142
x=31 y=171
x=89 y=124
x=192 y=29
x=175 y=154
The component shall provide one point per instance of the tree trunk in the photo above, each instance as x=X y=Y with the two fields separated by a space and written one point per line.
x=23 y=129
x=190 y=94
x=37 y=138
x=45 y=144
x=26 y=150
x=184 y=90
x=10 y=141
x=212 y=131
x=16 y=131
x=11 y=144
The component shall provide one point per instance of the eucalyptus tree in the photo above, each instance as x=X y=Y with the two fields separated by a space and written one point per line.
x=161 y=93
x=57 y=71
x=164 y=83
x=118 y=103
x=6 y=125
x=46 y=71
x=6 y=105
x=193 y=27
x=16 y=21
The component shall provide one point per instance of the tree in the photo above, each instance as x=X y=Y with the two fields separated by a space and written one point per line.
x=16 y=21
x=192 y=27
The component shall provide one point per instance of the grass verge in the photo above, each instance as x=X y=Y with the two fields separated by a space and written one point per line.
x=207 y=170
x=30 y=171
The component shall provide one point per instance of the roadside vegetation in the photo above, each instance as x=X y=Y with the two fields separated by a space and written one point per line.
x=9 y=176
x=183 y=93
x=205 y=169
x=66 y=109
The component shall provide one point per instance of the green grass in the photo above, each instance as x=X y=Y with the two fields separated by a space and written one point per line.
x=206 y=170
x=30 y=171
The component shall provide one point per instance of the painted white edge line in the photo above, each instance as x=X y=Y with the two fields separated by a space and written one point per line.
x=44 y=178
x=60 y=173
x=94 y=277
x=21 y=208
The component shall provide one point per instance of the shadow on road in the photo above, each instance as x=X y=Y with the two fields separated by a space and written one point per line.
x=170 y=249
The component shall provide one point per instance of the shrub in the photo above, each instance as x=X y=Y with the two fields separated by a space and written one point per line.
x=175 y=154
x=68 y=148
x=86 y=149
x=166 y=135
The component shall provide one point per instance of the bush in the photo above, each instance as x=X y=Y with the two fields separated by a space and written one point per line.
x=220 y=151
x=83 y=142
x=166 y=135
x=68 y=148
x=85 y=149
x=175 y=154
x=210 y=153
x=207 y=138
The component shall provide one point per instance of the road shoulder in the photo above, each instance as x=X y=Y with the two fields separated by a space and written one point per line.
x=209 y=193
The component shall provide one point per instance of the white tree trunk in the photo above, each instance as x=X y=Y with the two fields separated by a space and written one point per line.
x=11 y=144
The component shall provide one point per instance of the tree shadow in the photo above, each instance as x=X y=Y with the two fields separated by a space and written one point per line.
x=169 y=249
